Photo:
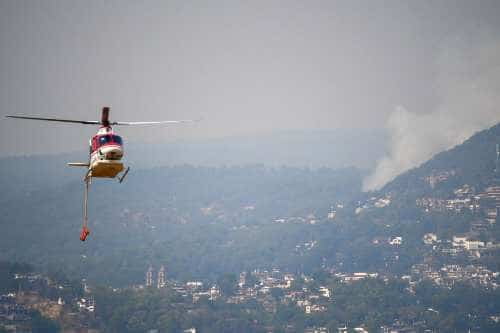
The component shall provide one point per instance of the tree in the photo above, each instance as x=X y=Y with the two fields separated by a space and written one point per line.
x=227 y=283
x=277 y=293
x=43 y=325
x=250 y=279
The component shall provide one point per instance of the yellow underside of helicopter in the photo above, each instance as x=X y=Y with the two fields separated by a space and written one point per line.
x=106 y=168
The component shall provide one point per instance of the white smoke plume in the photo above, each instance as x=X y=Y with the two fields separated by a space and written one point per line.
x=469 y=89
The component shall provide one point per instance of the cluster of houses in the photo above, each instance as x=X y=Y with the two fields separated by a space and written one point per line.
x=429 y=204
x=309 y=300
x=341 y=329
x=373 y=202
x=13 y=316
x=485 y=204
x=448 y=275
x=260 y=289
x=353 y=277
x=310 y=219
x=86 y=304
x=437 y=177
x=195 y=290
x=467 y=244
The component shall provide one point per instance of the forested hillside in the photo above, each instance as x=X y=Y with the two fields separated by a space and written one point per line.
x=198 y=221
x=202 y=222
x=422 y=253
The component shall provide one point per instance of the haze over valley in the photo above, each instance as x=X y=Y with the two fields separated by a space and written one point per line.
x=312 y=167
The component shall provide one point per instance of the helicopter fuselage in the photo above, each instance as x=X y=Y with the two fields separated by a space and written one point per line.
x=106 y=153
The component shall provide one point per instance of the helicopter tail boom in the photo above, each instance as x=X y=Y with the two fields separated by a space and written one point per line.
x=78 y=164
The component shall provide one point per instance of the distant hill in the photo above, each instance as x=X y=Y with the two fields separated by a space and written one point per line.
x=334 y=149
x=339 y=148
x=472 y=162
x=204 y=221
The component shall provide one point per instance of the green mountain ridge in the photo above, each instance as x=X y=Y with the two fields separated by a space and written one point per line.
x=185 y=217
x=202 y=222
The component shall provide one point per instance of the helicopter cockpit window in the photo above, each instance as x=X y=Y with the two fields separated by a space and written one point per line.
x=117 y=139
x=104 y=139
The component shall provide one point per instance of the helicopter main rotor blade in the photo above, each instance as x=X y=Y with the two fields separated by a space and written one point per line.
x=132 y=123
x=86 y=122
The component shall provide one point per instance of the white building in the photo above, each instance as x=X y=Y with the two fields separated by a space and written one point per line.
x=214 y=293
x=194 y=284
x=396 y=241
x=429 y=238
x=473 y=244
x=459 y=241
x=325 y=292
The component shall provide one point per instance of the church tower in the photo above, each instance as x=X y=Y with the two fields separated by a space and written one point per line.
x=149 y=277
x=161 y=277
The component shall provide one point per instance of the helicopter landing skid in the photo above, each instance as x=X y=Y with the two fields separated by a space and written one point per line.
x=122 y=177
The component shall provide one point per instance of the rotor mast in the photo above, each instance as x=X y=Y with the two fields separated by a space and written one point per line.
x=105 y=116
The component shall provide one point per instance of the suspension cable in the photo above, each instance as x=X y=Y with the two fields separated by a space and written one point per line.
x=85 y=231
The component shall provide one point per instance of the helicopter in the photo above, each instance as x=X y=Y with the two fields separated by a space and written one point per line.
x=105 y=153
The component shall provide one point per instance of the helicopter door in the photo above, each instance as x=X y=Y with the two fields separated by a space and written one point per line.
x=94 y=144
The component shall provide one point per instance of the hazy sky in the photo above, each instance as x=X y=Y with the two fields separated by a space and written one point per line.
x=245 y=67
